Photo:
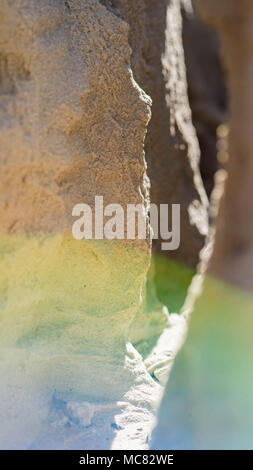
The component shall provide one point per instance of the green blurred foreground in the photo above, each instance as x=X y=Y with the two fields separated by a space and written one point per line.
x=209 y=397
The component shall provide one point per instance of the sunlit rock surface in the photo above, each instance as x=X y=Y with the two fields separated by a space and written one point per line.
x=85 y=346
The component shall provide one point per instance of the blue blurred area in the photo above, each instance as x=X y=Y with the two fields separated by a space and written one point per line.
x=208 y=402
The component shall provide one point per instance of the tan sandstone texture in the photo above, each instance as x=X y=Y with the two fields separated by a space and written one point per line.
x=75 y=107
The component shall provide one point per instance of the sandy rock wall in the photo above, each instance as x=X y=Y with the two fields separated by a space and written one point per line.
x=73 y=122
x=75 y=103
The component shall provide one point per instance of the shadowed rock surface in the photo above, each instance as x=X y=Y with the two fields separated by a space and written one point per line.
x=171 y=146
x=206 y=89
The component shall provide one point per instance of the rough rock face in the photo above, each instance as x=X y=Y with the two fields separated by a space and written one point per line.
x=171 y=146
x=72 y=126
x=232 y=258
